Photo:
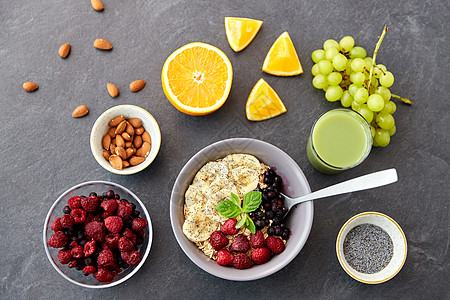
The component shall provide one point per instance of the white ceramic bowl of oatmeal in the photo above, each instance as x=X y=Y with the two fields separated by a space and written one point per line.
x=295 y=184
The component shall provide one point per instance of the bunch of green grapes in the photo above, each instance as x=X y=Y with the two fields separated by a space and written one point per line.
x=343 y=71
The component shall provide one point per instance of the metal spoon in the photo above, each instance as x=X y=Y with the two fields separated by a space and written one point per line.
x=361 y=183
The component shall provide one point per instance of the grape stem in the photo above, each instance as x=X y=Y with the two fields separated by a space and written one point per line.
x=377 y=46
x=405 y=100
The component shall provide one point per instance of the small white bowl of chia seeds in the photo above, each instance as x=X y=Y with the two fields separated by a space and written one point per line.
x=371 y=247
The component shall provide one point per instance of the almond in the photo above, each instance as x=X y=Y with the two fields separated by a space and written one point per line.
x=137 y=142
x=116 y=162
x=102 y=44
x=80 y=111
x=112 y=90
x=64 y=50
x=120 y=141
x=121 y=152
x=30 y=86
x=97 y=5
x=139 y=130
x=137 y=85
x=112 y=148
x=121 y=127
x=129 y=152
x=106 y=154
x=106 y=141
x=125 y=164
x=135 y=160
x=144 y=150
x=116 y=121
x=128 y=144
x=112 y=132
x=146 y=137
x=126 y=136
x=130 y=129
x=135 y=122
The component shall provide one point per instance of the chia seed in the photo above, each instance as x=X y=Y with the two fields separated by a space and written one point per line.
x=368 y=248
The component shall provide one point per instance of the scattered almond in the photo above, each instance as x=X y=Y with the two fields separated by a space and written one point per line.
x=64 y=50
x=135 y=122
x=116 y=121
x=137 y=85
x=112 y=90
x=102 y=44
x=116 y=162
x=136 y=160
x=97 y=5
x=30 y=86
x=106 y=141
x=80 y=111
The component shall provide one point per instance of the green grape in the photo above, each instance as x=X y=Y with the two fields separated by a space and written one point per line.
x=320 y=81
x=348 y=68
x=340 y=62
x=325 y=67
x=375 y=102
x=357 y=78
x=330 y=44
x=373 y=131
x=358 y=65
x=331 y=52
x=346 y=43
x=333 y=93
x=315 y=70
x=353 y=88
x=325 y=88
x=385 y=121
x=368 y=61
x=346 y=99
x=361 y=95
x=379 y=70
x=358 y=52
x=389 y=108
x=375 y=143
x=356 y=106
x=392 y=131
x=387 y=79
x=384 y=92
x=366 y=112
x=334 y=78
x=318 y=55
x=382 y=137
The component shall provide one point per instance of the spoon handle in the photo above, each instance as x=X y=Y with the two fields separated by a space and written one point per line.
x=364 y=182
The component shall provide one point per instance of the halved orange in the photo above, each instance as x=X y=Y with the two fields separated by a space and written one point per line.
x=241 y=31
x=196 y=78
x=263 y=102
x=282 y=59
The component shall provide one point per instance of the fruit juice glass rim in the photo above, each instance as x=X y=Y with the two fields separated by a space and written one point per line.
x=346 y=111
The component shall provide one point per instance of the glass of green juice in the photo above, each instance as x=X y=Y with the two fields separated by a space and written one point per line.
x=340 y=139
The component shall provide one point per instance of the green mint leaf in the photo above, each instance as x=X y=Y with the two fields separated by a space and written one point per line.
x=228 y=209
x=241 y=222
x=251 y=225
x=235 y=199
x=252 y=201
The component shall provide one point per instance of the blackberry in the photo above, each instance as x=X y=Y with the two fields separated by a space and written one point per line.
x=259 y=224
x=66 y=209
x=278 y=231
x=260 y=214
x=135 y=214
x=270 y=230
x=269 y=214
x=117 y=196
x=93 y=194
x=276 y=221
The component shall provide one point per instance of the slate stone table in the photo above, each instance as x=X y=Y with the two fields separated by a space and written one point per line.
x=44 y=151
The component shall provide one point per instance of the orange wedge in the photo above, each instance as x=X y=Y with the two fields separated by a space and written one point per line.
x=241 y=31
x=282 y=59
x=263 y=102
x=196 y=78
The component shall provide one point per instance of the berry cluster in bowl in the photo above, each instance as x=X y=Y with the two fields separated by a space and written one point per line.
x=99 y=235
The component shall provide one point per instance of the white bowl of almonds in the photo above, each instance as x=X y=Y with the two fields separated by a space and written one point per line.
x=125 y=139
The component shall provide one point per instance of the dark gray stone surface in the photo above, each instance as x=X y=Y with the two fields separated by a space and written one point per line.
x=45 y=151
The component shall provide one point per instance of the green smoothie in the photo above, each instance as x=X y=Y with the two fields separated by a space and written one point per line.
x=340 y=139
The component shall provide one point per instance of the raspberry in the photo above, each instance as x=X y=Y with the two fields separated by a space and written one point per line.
x=124 y=210
x=218 y=240
x=67 y=221
x=89 y=270
x=74 y=202
x=224 y=257
x=109 y=206
x=125 y=244
x=261 y=255
x=229 y=227
x=114 y=224
x=138 y=224
x=77 y=252
x=240 y=244
x=95 y=230
x=105 y=258
x=241 y=261
x=73 y=244
x=90 y=204
x=131 y=257
x=115 y=268
x=275 y=245
x=112 y=240
x=257 y=240
x=64 y=256
x=104 y=275
x=58 y=240
x=78 y=214
x=89 y=248
x=56 y=226
x=73 y=263
x=129 y=235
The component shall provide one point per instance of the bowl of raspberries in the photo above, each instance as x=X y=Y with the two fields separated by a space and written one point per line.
x=97 y=234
